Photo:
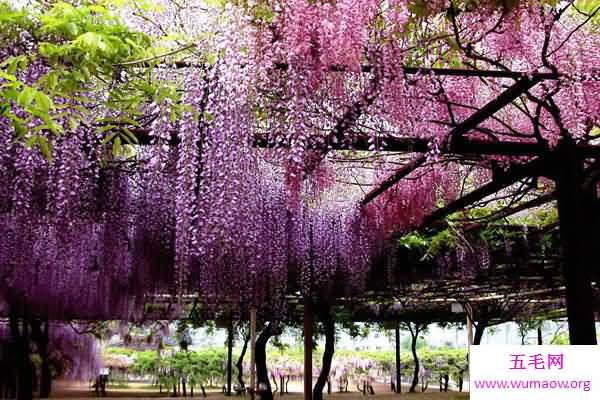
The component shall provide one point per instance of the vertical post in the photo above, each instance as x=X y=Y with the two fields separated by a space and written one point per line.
x=229 y=355
x=308 y=334
x=253 y=350
x=398 y=375
x=573 y=205
x=539 y=335
x=469 y=311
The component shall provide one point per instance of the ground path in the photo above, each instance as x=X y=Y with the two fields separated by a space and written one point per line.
x=72 y=391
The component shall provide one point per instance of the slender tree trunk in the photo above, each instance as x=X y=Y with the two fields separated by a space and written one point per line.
x=539 y=336
x=240 y=363
x=329 y=327
x=275 y=383
x=21 y=338
x=479 y=329
x=415 y=336
x=262 y=372
x=229 y=356
x=308 y=345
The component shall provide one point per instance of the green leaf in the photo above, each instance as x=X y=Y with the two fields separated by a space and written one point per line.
x=45 y=147
x=116 y=147
x=43 y=102
x=264 y=12
x=208 y=116
x=73 y=123
x=109 y=138
x=9 y=77
x=26 y=97
x=216 y=3
x=212 y=59
x=72 y=28
x=31 y=141
x=129 y=136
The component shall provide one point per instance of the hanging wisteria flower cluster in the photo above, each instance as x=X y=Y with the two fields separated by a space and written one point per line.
x=203 y=207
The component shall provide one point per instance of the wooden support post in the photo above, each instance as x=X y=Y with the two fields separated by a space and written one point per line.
x=253 y=350
x=308 y=334
x=229 y=355
x=398 y=374
x=575 y=229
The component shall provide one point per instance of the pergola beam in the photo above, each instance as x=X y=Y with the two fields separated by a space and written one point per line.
x=393 y=179
x=458 y=72
x=500 y=182
x=368 y=68
x=505 y=98
x=536 y=202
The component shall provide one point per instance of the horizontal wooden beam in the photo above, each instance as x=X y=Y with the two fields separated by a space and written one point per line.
x=485 y=112
x=514 y=174
x=459 y=72
x=393 y=179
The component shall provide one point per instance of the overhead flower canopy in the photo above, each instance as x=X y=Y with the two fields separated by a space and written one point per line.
x=215 y=146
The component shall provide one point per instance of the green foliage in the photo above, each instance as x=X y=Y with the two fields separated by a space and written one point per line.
x=589 y=7
x=121 y=351
x=561 y=339
x=430 y=244
x=198 y=367
x=146 y=363
x=85 y=51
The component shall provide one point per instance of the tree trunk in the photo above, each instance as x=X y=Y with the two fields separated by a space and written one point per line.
x=229 y=356
x=240 y=363
x=262 y=372
x=308 y=346
x=329 y=327
x=40 y=335
x=479 y=329
x=539 y=336
x=21 y=338
x=413 y=347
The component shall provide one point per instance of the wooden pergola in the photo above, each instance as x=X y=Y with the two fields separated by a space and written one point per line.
x=571 y=165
